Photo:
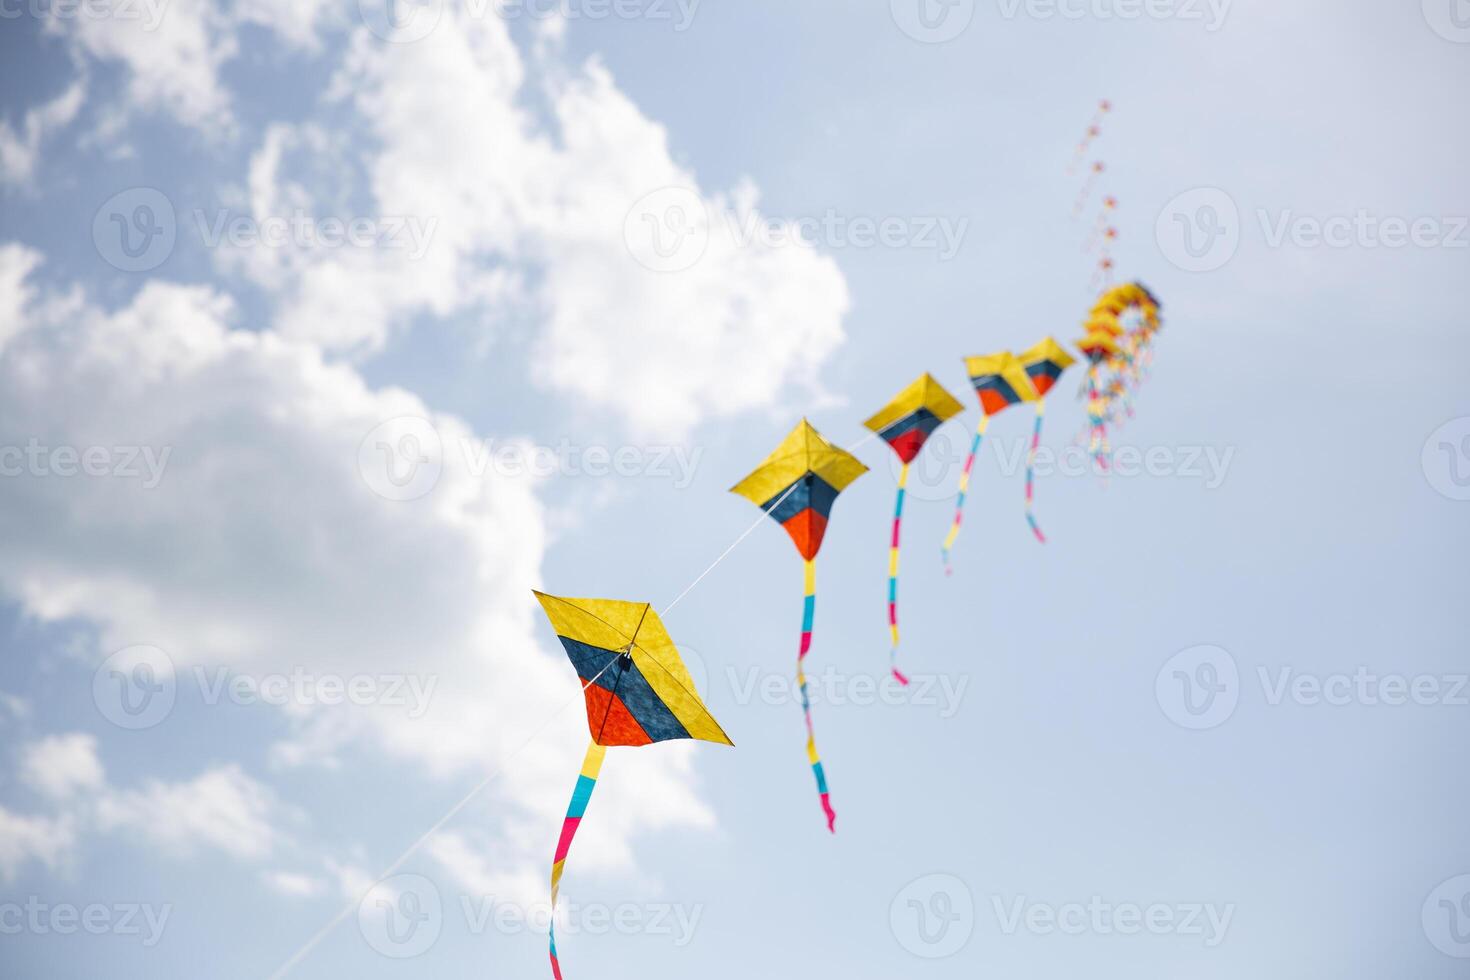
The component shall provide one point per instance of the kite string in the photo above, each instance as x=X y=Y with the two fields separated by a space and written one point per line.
x=398 y=862
x=453 y=811
x=765 y=512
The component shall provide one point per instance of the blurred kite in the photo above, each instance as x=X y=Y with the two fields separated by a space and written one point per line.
x=1000 y=381
x=797 y=485
x=1044 y=364
x=1094 y=130
x=905 y=423
x=1118 y=337
x=637 y=689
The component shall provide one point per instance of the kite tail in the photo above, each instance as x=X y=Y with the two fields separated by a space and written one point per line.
x=807 y=613
x=903 y=482
x=1098 y=443
x=1031 y=469
x=586 y=782
x=959 y=504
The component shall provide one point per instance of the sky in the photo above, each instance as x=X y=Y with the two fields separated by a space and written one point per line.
x=328 y=332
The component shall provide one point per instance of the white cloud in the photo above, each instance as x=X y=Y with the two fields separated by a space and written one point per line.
x=529 y=221
x=20 y=150
x=222 y=808
x=23 y=839
x=264 y=548
x=60 y=766
x=294 y=884
x=172 y=51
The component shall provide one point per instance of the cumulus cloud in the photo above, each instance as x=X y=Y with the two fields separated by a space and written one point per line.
x=20 y=147
x=268 y=548
x=531 y=221
x=222 y=809
x=23 y=839
x=62 y=765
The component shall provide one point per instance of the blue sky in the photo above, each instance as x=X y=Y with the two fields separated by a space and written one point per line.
x=303 y=487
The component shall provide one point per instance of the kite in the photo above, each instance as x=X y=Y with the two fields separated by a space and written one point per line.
x=1000 y=381
x=1044 y=364
x=1094 y=130
x=796 y=485
x=905 y=423
x=637 y=689
x=1118 y=336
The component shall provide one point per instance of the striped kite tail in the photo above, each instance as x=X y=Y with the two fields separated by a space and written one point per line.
x=1031 y=469
x=808 y=612
x=959 y=504
x=1096 y=415
x=903 y=482
x=586 y=782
